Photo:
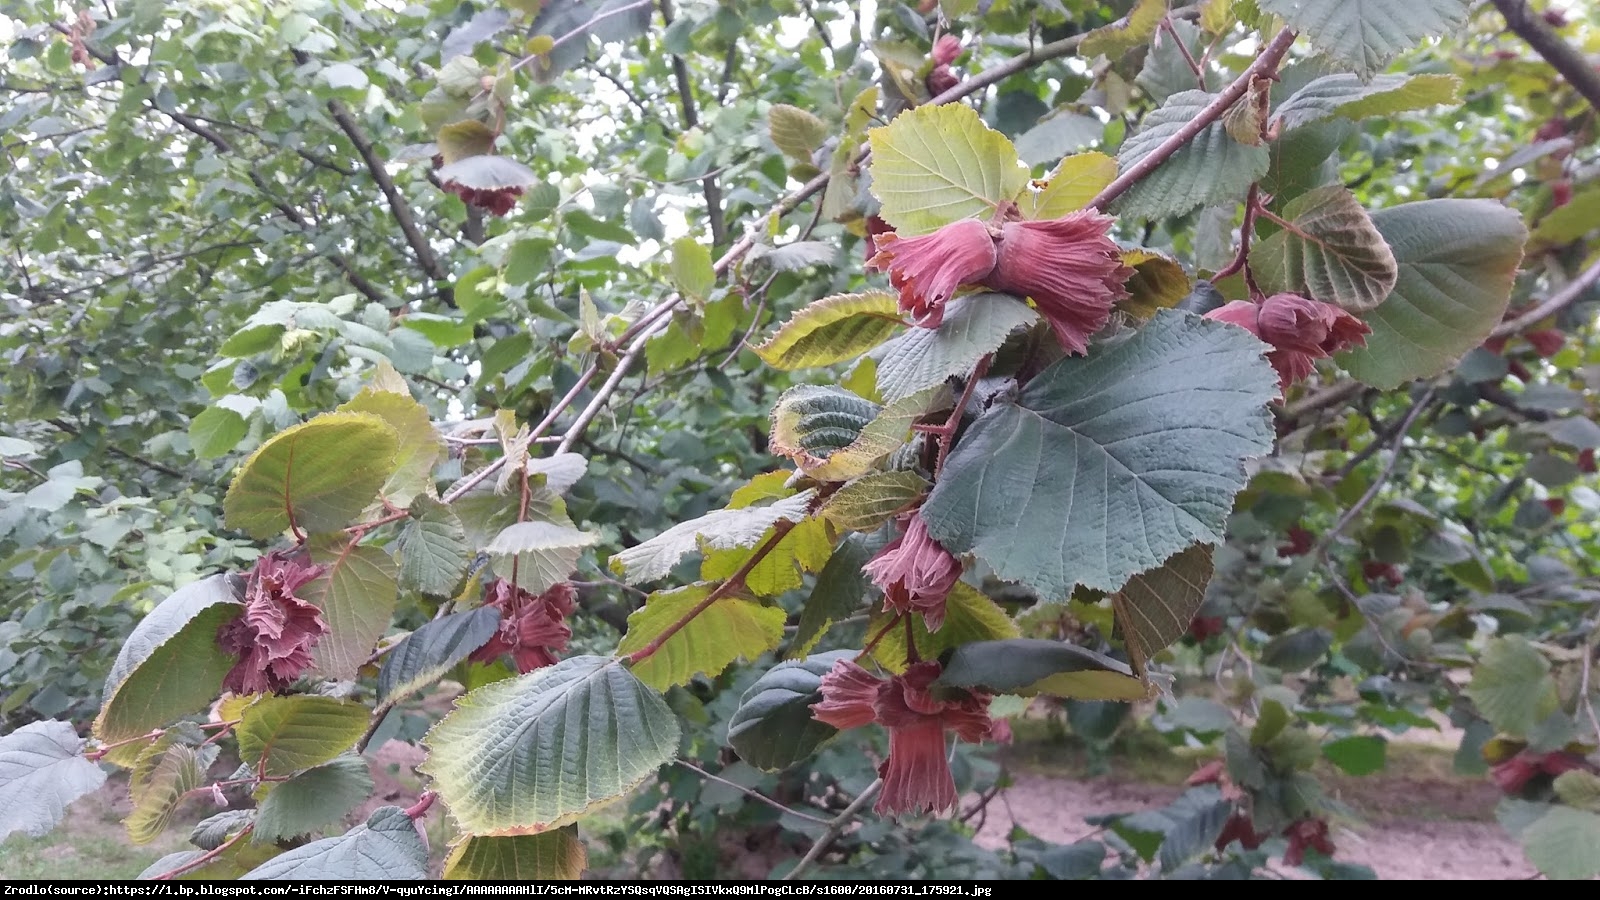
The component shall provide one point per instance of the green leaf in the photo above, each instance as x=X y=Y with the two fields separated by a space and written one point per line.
x=1579 y=788
x=420 y=446
x=1568 y=223
x=42 y=771
x=315 y=477
x=1564 y=844
x=170 y=666
x=1366 y=34
x=838 y=593
x=934 y=165
x=974 y=326
x=344 y=75
x=1129 y=456
x=387 y=847
x=181 y=769
x=1115 y=40
x=357 y=594
x=1512 y=685
x=1332 y=253
x=281 y=736
x=432 y=548
x=425 y=655
x=805 y=548
x=1457 y=259
x=1361 y=754
x=1155 y=607
x=546 y=553
x=556 y=855
x=798 y=255
x=1295 y=651
x=724 y=631
x=772 y=728
x=229 y=864
x=214 y=831
x=1209 y=170
x=216 y=431
x=795 y=132
x=312 y=800
x=1074 y=182
x=1028 y=667
x=871 y=500
x=1270 y=722
x=537 y=750
x=969 y=615
x=691 y=269
x=488 y=173
x=832 y=330
x=833 y=435
x=1158 y=282
x=720 y=529
x=1348 y=96
x=469 y=137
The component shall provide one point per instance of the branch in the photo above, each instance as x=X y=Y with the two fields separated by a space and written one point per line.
x=835 y=828
x=1400 y=432
x=73 y=430
x=754 y=795
x=691 y=120
x=1554 y=304
x=1264 y=66
x=1558 y=53
x=734 y=582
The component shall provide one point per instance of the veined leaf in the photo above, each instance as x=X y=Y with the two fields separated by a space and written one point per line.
x=315 y=477
x=691 y=269
x=922 y=358
x=726 y=630
x=386 y=848
x=1026 y=667
x=42 y=770
x=423 y=656
x=284 y=735
x=1211 y=169
x=871 y=500
x=1457 y=260
x=1512 y=686
x=718 y=529
x=556 y=855
x=773 y=728
x=934 y=165
x=312 y=800
x=546 y=553
x=180 y=769
x=1332 y=252
x=805 y=548
x=529 y=753
x=1348 y=96
x=356 y=593
x=1116 y=39
x=1128 y=456
x=1366 y=34
x=1154 y=608
x=969 y=615
x=795 y=131
x=838 y=593
x=420 y=447
x=833 y=435
x=1074 y=182
x=832 y=330
x=1158 y=282
x=432 y=548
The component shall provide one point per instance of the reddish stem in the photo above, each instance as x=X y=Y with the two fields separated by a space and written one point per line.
x=419 y=809
x=872 y=644
x=947 y=431
x=206 y=857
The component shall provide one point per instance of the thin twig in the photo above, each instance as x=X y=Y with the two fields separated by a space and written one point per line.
x=754 y=795
x=1563 y=57
x=1554 y=304
x=691 y=120
x=1199 y=73
x=1400 y=432
x=835 y=828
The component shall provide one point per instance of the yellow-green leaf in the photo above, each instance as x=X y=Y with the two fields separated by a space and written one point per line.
x=1116 y=39
x=832 y=330
x=314 y=477
x=1075 y=181
x=726 y=630
x=867 y=502
x=934 y=165
x=547 y=856
x=280 y=736
x=969 y=615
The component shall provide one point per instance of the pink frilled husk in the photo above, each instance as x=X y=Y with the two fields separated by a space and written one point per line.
x=1301 y=331
x=915 y=574
x=274 y=636
x=533 y=629
x=930 y=268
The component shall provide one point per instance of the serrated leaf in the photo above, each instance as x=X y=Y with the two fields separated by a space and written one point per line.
x=387 y=847
x=1348 y=96
x=425 y=655
x=1564 y=843
x=216 y=431
x=212 y=832
x=691 y=269
x=1579 y=788
x=1074 y=182
x=1055 y=136
x=530 y=753
x=229 y=864
x=838 y=593
x=488 y=173
x=1128 y=455
x=316 y=476
x=556 y=855
x=1512 y=685
x=772 y=728
x=799 y=255
x=356 y=592
x=1155 y=607
x=1028 y=667
x=1166 y=69
x=170 y=666
x=1196 y=819
x=717 y=530
x=721 y=633
x=42 y=771
x=1332 y=252
x=1118 y=38
x=826 y=431
x=180 y=769
x=1211 y=169
x=871 y=500
x=1366 y=34
x=432 y=548
x=974 y=326
x=1158 y=282
x=1360 y=754
x=832 y=330
x=312 y=800
x=795 y=131
x=546 y=553
x=805 y=548
x=420 y=446
x=281 y=736
x=561 y=471
x=1456 y=261
x=934 y=165
x=969 y=615
x=469 y=137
